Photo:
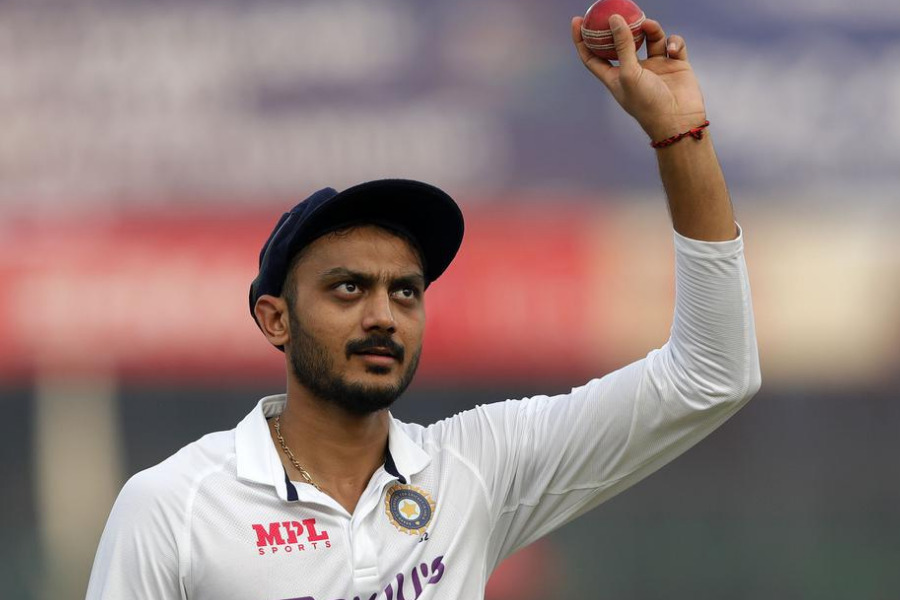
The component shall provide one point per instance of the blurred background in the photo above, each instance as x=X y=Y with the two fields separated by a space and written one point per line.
x=147 y=147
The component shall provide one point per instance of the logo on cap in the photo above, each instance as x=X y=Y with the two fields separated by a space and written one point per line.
x=409 y=508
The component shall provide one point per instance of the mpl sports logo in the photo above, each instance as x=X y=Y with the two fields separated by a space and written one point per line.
x=290 y=536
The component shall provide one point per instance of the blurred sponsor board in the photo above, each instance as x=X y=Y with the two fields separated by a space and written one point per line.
x=532 y=296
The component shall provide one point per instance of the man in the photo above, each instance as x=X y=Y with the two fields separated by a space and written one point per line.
x=321 y=494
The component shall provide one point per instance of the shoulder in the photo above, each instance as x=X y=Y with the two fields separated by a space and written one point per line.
x=511 y=420
x=165 y=490
x=146 y=532
x=485 y=420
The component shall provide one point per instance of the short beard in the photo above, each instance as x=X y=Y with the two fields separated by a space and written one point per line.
x=314 y=370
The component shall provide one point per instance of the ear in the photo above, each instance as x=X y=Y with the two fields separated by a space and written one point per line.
x=272 y=315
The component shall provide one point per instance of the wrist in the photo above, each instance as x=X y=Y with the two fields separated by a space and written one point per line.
x=696 y=133
x=674 y=126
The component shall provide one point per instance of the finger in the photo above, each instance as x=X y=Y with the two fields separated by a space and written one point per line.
x=656 y=38
x=676 y=48
x=624 y=41
x=602 y=69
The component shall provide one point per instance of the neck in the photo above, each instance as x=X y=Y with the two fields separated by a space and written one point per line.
x=340 y=451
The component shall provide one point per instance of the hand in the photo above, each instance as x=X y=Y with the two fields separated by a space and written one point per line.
x=660 y=92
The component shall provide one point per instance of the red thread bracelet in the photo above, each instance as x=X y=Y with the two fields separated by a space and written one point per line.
x=696 y=133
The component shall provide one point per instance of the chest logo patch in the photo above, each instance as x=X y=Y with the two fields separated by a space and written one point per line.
x=409 y=508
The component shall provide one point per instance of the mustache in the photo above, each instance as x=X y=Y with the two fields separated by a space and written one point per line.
x=374 y=341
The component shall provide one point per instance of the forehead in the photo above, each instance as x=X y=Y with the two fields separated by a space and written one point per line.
x=365 y=248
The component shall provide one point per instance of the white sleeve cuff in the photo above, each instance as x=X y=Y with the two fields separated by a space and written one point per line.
x=704 y=249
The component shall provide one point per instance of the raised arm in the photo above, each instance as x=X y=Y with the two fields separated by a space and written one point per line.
x=662 y=94
x=543 y=461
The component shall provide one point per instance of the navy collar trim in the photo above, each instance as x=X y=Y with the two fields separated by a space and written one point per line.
x=391 y=467
x=291 y=490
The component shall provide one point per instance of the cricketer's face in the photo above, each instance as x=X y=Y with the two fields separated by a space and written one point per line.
x=357 y=324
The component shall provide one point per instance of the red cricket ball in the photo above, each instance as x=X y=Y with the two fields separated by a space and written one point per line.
x=595 y=29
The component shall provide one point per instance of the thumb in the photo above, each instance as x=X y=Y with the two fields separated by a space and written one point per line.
x=624 y=41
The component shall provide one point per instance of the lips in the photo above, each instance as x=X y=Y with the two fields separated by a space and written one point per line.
x=381 y=355
x=380 y=358
x=378 y=352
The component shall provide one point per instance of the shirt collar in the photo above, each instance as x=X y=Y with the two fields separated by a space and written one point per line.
x=255 y=454
x=405 y=457
x=258 y=460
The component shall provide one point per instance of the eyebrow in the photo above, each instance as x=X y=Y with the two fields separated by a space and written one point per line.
x=370 y=279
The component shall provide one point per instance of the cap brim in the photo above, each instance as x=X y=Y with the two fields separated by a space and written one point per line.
x=424 y=211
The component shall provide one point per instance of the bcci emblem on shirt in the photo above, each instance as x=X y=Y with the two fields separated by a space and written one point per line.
x=409 y=508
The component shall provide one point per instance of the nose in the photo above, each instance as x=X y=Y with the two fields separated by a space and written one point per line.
x=378 y=315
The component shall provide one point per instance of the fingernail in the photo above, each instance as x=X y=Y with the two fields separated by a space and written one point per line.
x=673 y=47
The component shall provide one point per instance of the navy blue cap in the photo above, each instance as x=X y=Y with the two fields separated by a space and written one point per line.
x=420 y=210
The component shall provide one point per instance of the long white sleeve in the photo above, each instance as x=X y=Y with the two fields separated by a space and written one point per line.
x=545 y=460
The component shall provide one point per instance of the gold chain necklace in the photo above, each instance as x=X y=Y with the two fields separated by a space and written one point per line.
x=290 y=455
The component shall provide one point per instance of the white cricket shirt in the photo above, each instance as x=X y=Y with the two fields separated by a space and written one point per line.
x=220 y=521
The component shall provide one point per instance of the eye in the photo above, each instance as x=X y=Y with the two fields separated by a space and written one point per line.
x=406 y=294
x=347 y=288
